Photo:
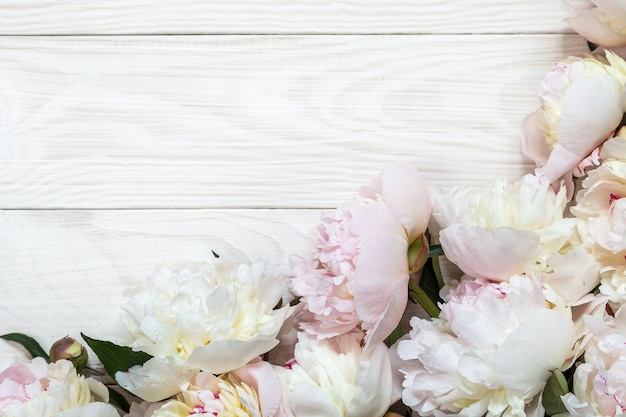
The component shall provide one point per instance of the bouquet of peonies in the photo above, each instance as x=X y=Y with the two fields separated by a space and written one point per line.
x=533 y=325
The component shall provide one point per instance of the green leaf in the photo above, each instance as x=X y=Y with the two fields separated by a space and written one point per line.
x=435 y=250
x=30 y=344
x=429 y=281
x=118 y=400
x=115 y=358
x=555 y=387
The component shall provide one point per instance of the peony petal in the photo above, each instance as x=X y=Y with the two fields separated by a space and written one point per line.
x=590 y=111
x=614 y=148
x=561 y=162
x=533 y=139
x=374 y=385
x=261 y=377
x=575 y=274
x=374 y=219
x=222 y=356
x=380 y=284
x=596 y=31
x=317 y=403
x=575 y=407
x=614 y=8
x=156 y=380
x=390 y=317
x=494 y=254
x=517 y=364
x=91 y=410
x=406 y=194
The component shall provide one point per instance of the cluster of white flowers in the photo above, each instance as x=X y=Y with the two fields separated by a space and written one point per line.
x=542 y=276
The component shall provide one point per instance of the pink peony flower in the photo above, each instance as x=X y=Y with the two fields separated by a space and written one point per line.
x=359 y=274
x=581 y=106
x=491 y=350
x=39 y=389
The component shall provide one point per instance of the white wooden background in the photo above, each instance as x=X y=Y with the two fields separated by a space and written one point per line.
x=134 y=132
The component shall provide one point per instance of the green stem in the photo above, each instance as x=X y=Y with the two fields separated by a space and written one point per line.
x=437 y=271
x=420 y=296
x=395 y=335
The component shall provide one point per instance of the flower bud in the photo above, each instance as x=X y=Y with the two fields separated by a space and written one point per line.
x=418 y=254
x=68 y=348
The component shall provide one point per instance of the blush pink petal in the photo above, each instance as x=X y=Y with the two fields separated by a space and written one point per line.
x=560 y=162
x=375 y=219
x=406 y=194
x=380 y=289
x=494 y=254
x=261 y=377
x=590 y=112
x=533 y=139
x=16 y=382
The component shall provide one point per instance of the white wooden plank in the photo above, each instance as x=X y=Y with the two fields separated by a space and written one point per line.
x=248 y=121
x=64 y=271
x=25 y=17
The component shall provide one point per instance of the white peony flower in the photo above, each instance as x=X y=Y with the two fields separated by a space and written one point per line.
x=251 y=391
x=600 y=382
x=206 y=394
x=600 y=212
x=502 y=229
x=601 y=21
x=213 y=316
x=491 y=351
x=332 y=378
x=39 y=389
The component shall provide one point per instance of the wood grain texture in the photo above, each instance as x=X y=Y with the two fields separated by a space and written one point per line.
x=50 y=17
x=259 y=122
x=64 y=271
